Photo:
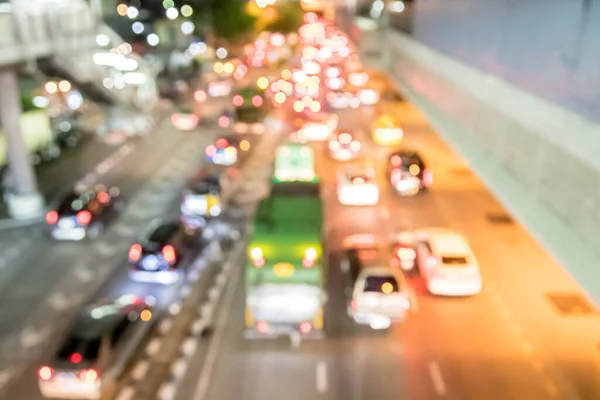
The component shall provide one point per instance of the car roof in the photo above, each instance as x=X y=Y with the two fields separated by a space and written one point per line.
x=449 y=243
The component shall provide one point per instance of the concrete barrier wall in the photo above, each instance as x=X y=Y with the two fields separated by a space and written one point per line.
x=540 y=160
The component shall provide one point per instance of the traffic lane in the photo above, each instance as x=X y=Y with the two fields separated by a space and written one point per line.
x=365 y=363
x=233 y=367
x=41 y=268
x=117 y=284
x=518 y=274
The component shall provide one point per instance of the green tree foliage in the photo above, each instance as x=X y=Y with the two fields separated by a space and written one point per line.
x=228 y=19
x=290 y=17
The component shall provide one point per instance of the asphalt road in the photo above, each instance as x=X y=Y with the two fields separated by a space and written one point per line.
x=47 y=280
x=509 y=342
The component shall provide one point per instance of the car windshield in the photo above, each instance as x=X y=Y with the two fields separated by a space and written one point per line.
x=206 y=186
x=381 y=284
x=455 y=261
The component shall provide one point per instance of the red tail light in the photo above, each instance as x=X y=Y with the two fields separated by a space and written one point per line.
x=257 y=101
x=103 y=197
x=52 y=217
x=396 y=160
x=88 y=375
x=211 y=150
x=84 y=217
x=306 y=327
x=396 y=176
x=354 y=304
x=223 y=121
x=238 y=101
x=427 y=177
x=168 y=253
x=194 y=119
x=262 y=327
x=75 y=358
x=46 y=373
x=175 y=118
x=222 y=143
x=135 y=252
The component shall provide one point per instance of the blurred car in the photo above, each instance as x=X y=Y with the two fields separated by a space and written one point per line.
x=386 y=131
x=224 y=152
x=84 y=214
x=158 y=254
x=404 y=252
x=357 y=187
x=219 y=89
x=185 y=120
x=317 y=126
x=201 y=200
x=358 y=78
x=344 y=147
x=101 y=341
x=447 y=263
x=340 y=99
x=380 y=294
x=408 y=173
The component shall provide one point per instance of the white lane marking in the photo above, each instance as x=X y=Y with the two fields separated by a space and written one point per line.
x=185 y=291
x=174 y=308
x=188 y=348
x=58 y=301
x=213 y=347
x=153 y=347
x=165 y=326
x=126 y=393
x=6 y=376
x=414 y=304
x=436 y=378
x=84 y=274
x=214 y=293
x=322 y=384
x=167 y=391
x=385 y=213
x=199 y=326
x=222 y=278
x=105 y=249
x=207 y=310
x=140 y=370
x=31 y=337
x=179 y=368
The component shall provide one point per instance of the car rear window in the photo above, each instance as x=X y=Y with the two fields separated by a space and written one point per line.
x=163 y=233
x=70 y=205
x=359 y=179
x=381 y=284
x=88 y=349
x=455 y=260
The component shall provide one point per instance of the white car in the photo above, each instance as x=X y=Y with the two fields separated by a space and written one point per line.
x=447 y=263
x=318 y=128
x=357 y=188
x=219 y=89
x=185 y=121
x=340 y=99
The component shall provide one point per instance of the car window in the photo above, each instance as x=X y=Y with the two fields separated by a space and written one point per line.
x=71 y=204
x=163 y=233
x=87 y=348
x=381 y=284
x=358 y=179
x=456 y=261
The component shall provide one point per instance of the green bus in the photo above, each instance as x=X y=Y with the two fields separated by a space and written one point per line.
x=286 y=265
x=295 y=163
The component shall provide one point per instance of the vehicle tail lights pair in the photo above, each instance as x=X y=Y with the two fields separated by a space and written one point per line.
x=46 y=373
x=83 y=217
x=168 y=253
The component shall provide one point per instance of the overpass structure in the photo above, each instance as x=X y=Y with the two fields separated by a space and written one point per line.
x=66 y=39
x=535 y=151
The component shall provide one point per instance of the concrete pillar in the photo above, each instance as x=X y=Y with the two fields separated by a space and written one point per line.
x=24 y=200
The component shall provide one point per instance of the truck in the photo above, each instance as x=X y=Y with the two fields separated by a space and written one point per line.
x=285 y=272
